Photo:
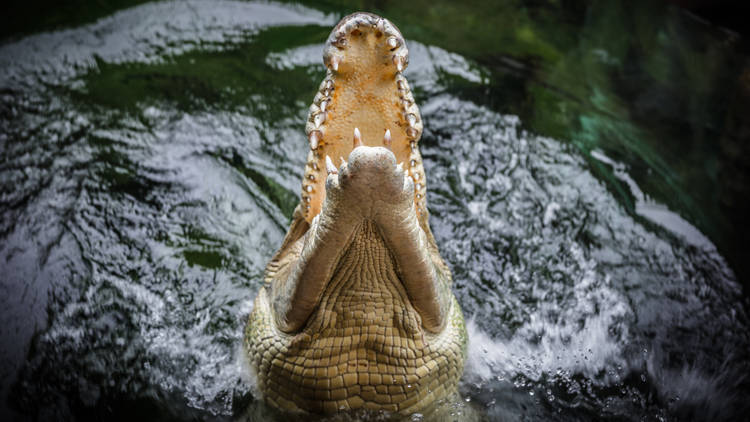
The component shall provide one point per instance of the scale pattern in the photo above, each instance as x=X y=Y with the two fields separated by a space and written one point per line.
x=363 y=348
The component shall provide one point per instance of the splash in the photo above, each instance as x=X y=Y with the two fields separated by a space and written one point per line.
x=133 y=238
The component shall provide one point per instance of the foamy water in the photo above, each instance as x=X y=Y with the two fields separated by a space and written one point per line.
x=135 y=239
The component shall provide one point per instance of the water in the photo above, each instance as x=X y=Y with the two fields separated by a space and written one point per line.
x=151 y=161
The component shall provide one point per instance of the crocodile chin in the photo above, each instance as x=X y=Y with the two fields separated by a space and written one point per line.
x=356 y=311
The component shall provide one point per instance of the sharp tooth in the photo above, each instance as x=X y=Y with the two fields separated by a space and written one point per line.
x=335 y=60
x=330 y=168
x=400 y=166
x=343 y=162
x=411 y=133
x=357 y=138
x=323 y=105
x=319 y=119
x=412 y=119
x=398 y=62
x=387 y=139
x=329 y=84
x=380 y=25
x=315 y=137
x=392 y=42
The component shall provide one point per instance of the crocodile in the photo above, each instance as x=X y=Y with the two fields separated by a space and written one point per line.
x=356 y=309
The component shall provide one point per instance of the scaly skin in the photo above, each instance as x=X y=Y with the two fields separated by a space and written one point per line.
x=356 y=311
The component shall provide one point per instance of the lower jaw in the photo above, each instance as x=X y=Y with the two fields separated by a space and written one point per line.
x=334 y=369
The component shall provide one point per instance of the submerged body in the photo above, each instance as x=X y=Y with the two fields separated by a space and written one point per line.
x=356 y=311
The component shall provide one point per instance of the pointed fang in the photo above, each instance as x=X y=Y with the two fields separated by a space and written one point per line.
x=380 y=25
x=387 y=139
x=319 y=119
x=330 y=168
x=315 y=139
x=398 y=62
x=357 y=138
x=335 y=63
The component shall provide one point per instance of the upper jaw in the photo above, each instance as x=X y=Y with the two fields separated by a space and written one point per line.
x=364 y=87
x=394 y=48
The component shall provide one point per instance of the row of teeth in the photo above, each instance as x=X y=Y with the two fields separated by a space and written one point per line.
x=400 y=58
x=415 y=169
x=315 y=127
x=357 y=142
x=318 y=111
x=394 y=39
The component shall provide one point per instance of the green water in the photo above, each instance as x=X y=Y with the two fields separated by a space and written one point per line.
x=587 y=182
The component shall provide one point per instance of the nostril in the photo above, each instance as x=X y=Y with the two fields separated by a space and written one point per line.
x=340 y=43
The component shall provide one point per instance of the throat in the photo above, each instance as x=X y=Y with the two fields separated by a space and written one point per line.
x=365 y=297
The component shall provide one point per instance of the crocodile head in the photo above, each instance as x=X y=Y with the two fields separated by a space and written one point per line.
x=357 y=310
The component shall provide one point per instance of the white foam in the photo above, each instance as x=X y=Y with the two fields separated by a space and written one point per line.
x=147 y=33
x=655 y=212
x=542 y=346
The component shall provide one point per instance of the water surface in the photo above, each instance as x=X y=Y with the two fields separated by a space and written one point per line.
x=151 y=161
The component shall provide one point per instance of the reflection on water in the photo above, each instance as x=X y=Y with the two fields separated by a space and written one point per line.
x=150 y=163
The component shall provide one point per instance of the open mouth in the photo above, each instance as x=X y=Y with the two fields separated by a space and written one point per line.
x=357 y=310
x=363 y=89
x=364 y=165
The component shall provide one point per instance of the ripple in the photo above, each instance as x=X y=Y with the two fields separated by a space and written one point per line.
x=133 y=238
